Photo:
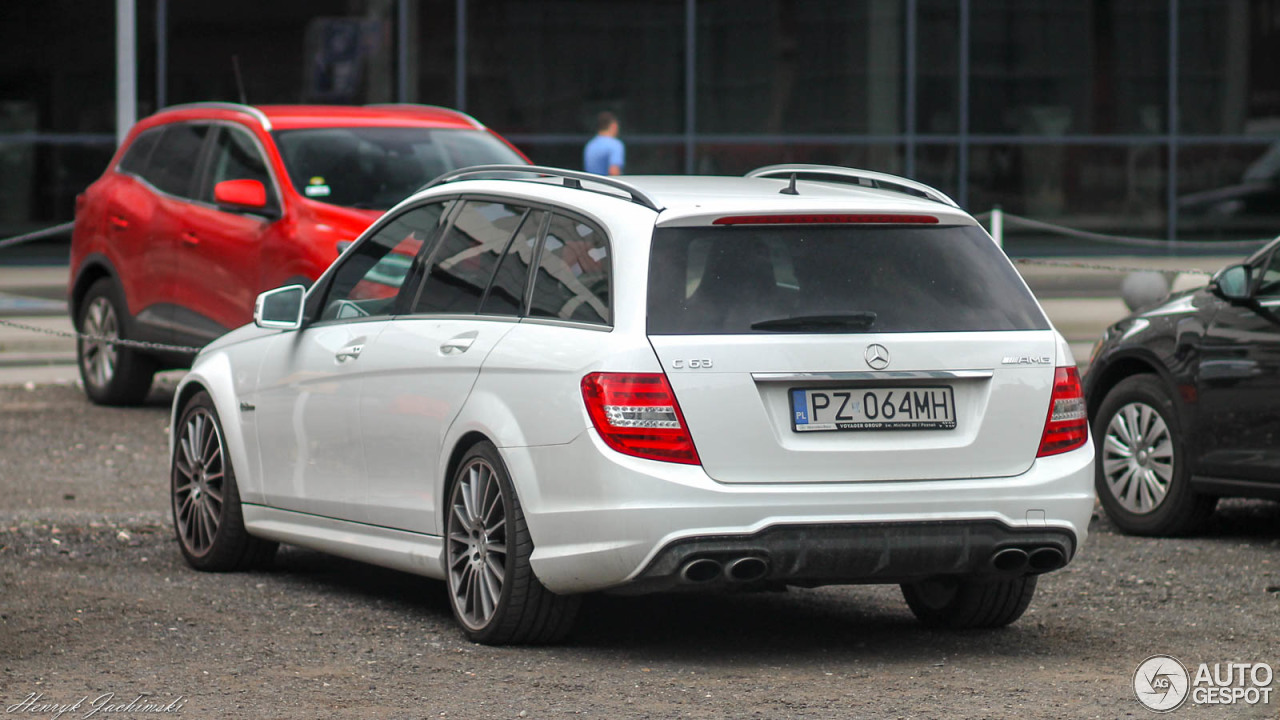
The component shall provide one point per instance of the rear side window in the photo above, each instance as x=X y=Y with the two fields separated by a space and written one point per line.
x=173 y=162
x=572 y=282
x=463 y=264
x=506 y=294
x=793 y=278
x=135 y=158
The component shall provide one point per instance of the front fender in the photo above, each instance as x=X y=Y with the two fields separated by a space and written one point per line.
x=214 y=373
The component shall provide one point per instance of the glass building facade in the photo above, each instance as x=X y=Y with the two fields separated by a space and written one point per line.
x=1152 y=118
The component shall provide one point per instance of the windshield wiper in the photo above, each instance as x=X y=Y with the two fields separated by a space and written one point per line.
x=861 y=320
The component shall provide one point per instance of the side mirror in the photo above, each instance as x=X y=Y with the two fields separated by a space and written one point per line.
x=280 y=309
x=241 y=194
x=1232 y=283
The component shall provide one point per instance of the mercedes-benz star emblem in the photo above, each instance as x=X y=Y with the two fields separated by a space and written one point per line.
x=877 y=357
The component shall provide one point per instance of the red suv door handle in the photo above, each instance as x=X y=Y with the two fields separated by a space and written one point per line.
x=118 y=222
x=190 y=238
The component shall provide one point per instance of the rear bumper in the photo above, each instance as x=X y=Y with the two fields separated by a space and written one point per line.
x=813 y=555
x=601 y=520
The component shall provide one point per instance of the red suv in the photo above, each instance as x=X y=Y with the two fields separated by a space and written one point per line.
x=204 y=206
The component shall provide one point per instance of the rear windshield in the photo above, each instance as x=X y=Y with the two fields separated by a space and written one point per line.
x=841 y=279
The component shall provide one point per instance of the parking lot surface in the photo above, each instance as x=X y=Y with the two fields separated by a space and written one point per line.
x=95 y=600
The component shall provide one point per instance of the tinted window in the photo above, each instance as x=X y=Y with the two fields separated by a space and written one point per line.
x=506 y=294
x=236 y=157
x=371 y=274
x=463 y=264
x=173 y=163
x=378 y=167
x=573 y=273
x=135 y=158
x=1269 y=283
x=844 y=279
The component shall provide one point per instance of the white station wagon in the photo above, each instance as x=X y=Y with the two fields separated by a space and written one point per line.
x=533 y=383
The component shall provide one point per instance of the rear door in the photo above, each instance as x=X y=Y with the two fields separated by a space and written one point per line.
x=421 y=369
x=220 y=266
x=835 y=353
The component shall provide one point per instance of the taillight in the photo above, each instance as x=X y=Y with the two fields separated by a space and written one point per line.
x=827 y=219
x=637 y=414
x=1067 y=426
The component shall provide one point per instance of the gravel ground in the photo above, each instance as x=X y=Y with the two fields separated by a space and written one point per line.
x=95 y=599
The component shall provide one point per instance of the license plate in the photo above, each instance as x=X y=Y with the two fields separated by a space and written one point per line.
x=897 y=408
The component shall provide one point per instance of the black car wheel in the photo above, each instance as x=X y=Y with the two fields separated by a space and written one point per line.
x=963 y=604
x=112 y=374
x=1143 y=478
x=494 y=594
x=205 y=499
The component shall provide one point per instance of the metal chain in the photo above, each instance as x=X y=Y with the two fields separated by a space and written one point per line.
x=37 y=235
x=137 y=344
x=1104 y=267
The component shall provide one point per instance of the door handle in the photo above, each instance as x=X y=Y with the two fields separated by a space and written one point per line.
x=190 y=238
x=458 y=345
x=350 y=352
x=118 y=222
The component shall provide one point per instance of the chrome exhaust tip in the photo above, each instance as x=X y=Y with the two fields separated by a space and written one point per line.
x=747 y=569
x=700 y=571
x=1010 y=560
x=1045 y=559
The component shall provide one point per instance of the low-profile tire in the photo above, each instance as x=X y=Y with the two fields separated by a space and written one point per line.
x=112 y=374
x=493 y=591
x=963 y=604
x=205 y=499
x=1142 y=475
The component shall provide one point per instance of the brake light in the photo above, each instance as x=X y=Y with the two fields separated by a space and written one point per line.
x=1067 y=426
x=827 y=219
x=637 y=414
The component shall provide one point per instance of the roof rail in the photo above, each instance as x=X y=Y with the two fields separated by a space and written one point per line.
x=853 y=176
x=572 y=179
x=419 y=106
x=246 y=109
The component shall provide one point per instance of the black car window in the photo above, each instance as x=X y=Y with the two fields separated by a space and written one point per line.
x=833 y=278
x=135 y=158
x=463 y=263
x=572 y=282
x=236 y=157
x=369 y=276
x=173 y=162
x=506 y=293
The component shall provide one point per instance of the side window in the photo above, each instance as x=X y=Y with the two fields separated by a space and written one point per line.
x=1269 y=283
x=173 y=163
x=463 y=264
x=371 y=274
x=506 y=294
x=573 y=273
x=135 y=158
x=236 y=157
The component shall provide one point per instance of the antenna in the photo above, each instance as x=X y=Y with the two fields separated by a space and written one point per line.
x=235 y=65
x=791 y=188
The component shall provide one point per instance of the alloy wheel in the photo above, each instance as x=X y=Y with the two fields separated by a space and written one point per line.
x=98 y=356
x=477 y=544
x=200 y=481
x=1137 y=458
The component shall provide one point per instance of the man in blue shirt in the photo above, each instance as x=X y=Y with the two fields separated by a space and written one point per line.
x=605 y=154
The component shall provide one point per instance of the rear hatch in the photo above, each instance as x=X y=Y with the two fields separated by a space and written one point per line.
x=822 y=352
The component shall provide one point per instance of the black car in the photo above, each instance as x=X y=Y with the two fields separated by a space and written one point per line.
x=1184 y=401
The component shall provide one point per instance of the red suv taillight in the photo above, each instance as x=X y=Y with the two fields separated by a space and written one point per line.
x=1067 y=426
x=637 y=414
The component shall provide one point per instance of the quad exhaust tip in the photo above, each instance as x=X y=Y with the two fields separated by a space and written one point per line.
x=1045 y=559
x=1010 y=560
x=701 y=570
x=747 y=569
